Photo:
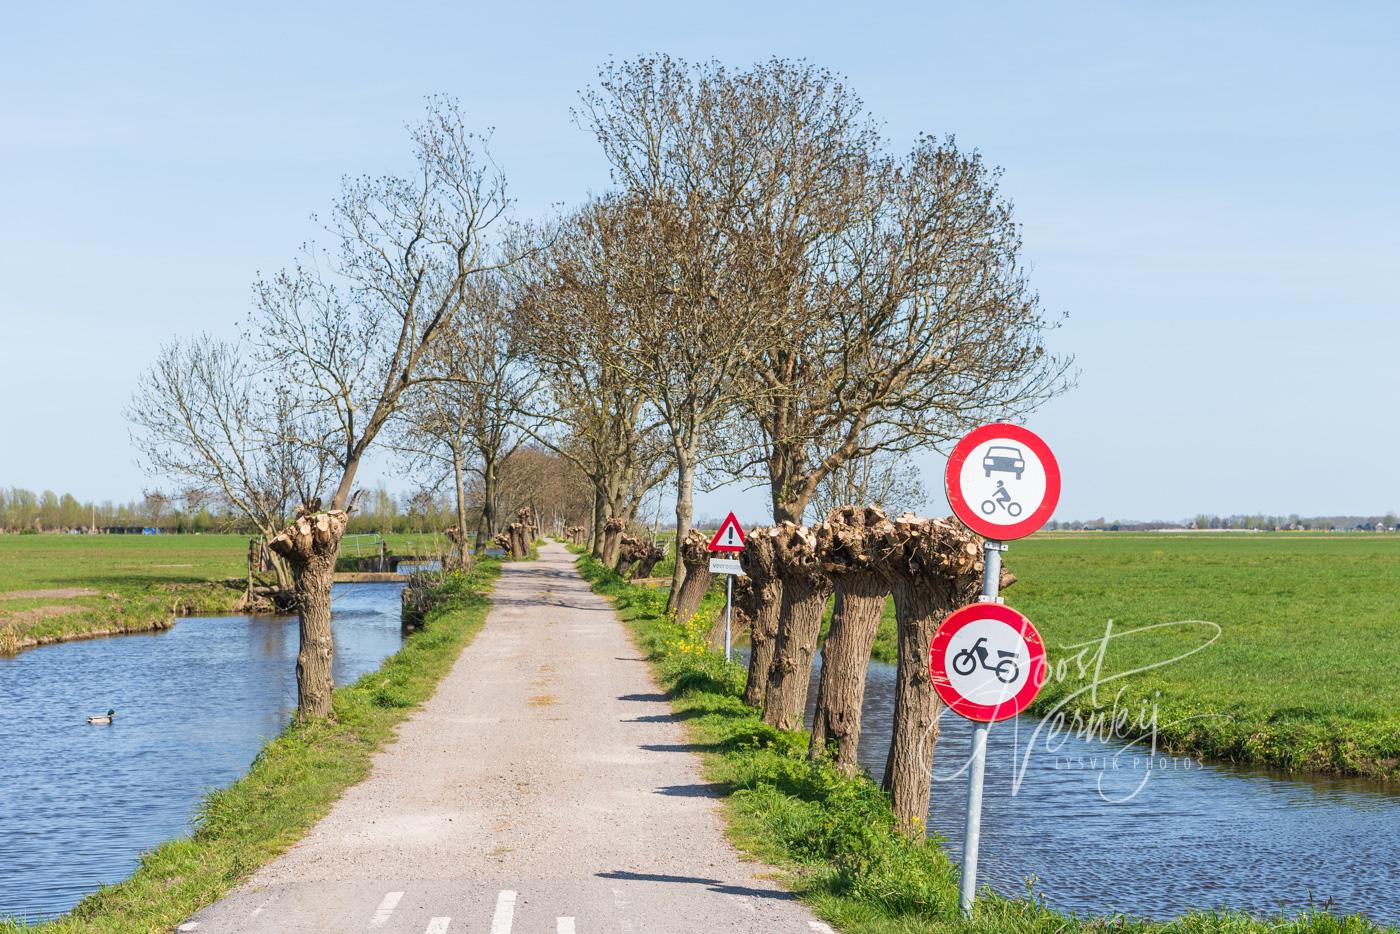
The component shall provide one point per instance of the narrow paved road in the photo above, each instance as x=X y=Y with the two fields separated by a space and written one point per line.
x=545 y=788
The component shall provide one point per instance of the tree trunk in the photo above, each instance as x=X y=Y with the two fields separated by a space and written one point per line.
x=612 y=540
x=849 y=546
x=519 y=544
x=757 y=561
x=685 y=490
x=488 y=504
x=649 y=561
x=600 y=517
x=909 y=764
x=786 y=482
x=805 y=589
x=629 y=552
x=463 y=549
x=310 y=545
x=933 y=567
x=860 y=602
x=694 y=555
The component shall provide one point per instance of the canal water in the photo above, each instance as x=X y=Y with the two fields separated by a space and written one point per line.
x=1105 y=829
x=80 y=803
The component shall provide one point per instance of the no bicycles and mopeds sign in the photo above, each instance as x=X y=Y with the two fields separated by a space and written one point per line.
x=987 y=662
x=1003 y=482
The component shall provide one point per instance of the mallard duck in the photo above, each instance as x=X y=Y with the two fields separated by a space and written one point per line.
x=99 y=719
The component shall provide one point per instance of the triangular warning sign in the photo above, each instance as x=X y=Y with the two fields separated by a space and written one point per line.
x=730 y=536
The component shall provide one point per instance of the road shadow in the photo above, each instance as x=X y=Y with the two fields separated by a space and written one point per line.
x=652 y=698
x=714 y=885
x=698 y=790
x=681 y=747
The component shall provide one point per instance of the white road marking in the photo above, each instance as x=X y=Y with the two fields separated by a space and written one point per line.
x=438 y=926
x=385 y=909
x=565 y=926
x=820 y=928
x=505 y=913
x=620 y=905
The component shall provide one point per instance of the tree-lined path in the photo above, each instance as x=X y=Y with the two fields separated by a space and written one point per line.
x=544 y=788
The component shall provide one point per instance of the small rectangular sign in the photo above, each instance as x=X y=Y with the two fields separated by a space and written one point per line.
x=726 y=566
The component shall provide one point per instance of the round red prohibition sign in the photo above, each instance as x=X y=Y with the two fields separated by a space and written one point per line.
x=1003 y=482
x=987 y=662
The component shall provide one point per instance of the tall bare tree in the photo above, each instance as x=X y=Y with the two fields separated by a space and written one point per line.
x=345 y=332
x=569 y=315
x=470 y=410
x=680 y=150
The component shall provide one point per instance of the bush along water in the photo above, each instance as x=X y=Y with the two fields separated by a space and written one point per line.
x=834 y=837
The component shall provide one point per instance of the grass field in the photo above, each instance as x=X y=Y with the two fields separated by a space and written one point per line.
x=832 y=837
x=1301 y=674
x=111 y=583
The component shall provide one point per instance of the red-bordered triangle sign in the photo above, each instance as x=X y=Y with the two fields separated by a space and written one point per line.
x=730 y=536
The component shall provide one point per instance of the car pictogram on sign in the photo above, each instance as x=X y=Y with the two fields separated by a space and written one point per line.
x=1004 y=459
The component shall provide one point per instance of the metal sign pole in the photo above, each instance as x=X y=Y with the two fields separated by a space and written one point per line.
x=728 y=611
x=972 y=830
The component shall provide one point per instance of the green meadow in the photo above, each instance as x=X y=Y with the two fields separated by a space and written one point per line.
x=111 y=583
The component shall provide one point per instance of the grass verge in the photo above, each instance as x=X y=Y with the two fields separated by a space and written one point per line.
x=292 y=783
x=833 y=837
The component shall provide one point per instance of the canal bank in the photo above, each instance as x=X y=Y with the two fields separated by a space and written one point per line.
x=34 y=618
x=293 y=780
x=835 y=839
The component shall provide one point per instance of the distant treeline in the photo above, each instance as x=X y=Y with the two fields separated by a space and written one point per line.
x=529 y=476
x=25 y=511
x=1261 y=523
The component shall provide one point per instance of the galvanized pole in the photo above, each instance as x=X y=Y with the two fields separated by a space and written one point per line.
x=977 y=764
x=728 y=611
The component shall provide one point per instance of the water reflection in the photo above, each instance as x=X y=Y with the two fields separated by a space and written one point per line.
x=78 y=804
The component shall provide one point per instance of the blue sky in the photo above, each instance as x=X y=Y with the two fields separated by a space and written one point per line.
x=1210 y=190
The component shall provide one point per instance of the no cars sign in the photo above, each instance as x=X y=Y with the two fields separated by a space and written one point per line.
x=1002 y=481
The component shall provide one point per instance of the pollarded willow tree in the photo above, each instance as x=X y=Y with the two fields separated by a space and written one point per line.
x=849 y=543
x=344 y=336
